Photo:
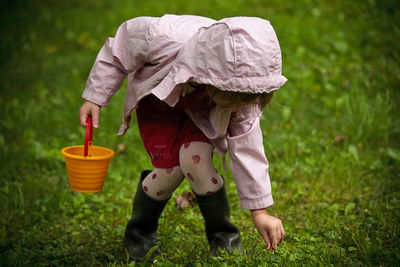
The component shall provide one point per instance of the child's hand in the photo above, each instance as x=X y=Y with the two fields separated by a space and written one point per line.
x=269 y=227
x=89 y=108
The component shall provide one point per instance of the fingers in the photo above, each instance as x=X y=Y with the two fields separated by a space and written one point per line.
x=83 y=115
x=277 y=239
x=87 y=109
x=269 y=227
x=276 y=236
x=267 y=240
x=95 y=118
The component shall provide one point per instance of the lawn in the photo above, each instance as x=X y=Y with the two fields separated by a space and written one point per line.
x=331 y=134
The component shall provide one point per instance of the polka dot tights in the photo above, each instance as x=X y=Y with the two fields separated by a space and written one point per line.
x=195 y=159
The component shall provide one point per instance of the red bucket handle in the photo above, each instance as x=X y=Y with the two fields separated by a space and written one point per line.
x=88 y=135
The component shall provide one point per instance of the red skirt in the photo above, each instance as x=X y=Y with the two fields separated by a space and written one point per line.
x=164 y=130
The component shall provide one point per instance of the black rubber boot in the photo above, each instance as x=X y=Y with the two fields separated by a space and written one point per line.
x=221 y=233
x=140 y=233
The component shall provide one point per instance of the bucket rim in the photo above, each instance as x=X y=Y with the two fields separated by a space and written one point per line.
x=68 y=155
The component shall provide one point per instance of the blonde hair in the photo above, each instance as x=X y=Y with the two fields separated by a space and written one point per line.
x=237 y=98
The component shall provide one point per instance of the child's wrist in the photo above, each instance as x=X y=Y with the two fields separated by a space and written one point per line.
x=256 y=212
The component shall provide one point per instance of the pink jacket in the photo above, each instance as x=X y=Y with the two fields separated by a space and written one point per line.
x=160 y=55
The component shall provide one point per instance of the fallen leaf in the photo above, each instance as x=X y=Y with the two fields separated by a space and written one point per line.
x=121 y=148
x=187 y=199
x=339 y=139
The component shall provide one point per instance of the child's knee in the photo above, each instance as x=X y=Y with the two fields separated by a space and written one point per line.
x=195 y=159
x=195 y=155
x=161 y=182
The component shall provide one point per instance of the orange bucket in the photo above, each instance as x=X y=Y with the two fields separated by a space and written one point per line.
x=87 y=165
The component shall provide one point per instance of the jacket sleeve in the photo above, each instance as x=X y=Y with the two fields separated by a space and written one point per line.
x=119 y=56
x=249 y=164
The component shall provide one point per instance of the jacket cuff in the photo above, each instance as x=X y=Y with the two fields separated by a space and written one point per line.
x=259 y=203
x=95 y=97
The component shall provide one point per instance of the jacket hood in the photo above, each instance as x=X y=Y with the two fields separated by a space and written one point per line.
x=240 y=54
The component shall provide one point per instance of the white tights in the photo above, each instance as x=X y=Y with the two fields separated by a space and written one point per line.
x=195 y=162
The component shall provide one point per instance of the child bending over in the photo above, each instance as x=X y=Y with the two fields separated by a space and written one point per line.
x=198 y=87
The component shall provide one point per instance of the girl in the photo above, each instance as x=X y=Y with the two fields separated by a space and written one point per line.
x=198 y=86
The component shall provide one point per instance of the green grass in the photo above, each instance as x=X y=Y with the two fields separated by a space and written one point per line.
x=339 y=200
